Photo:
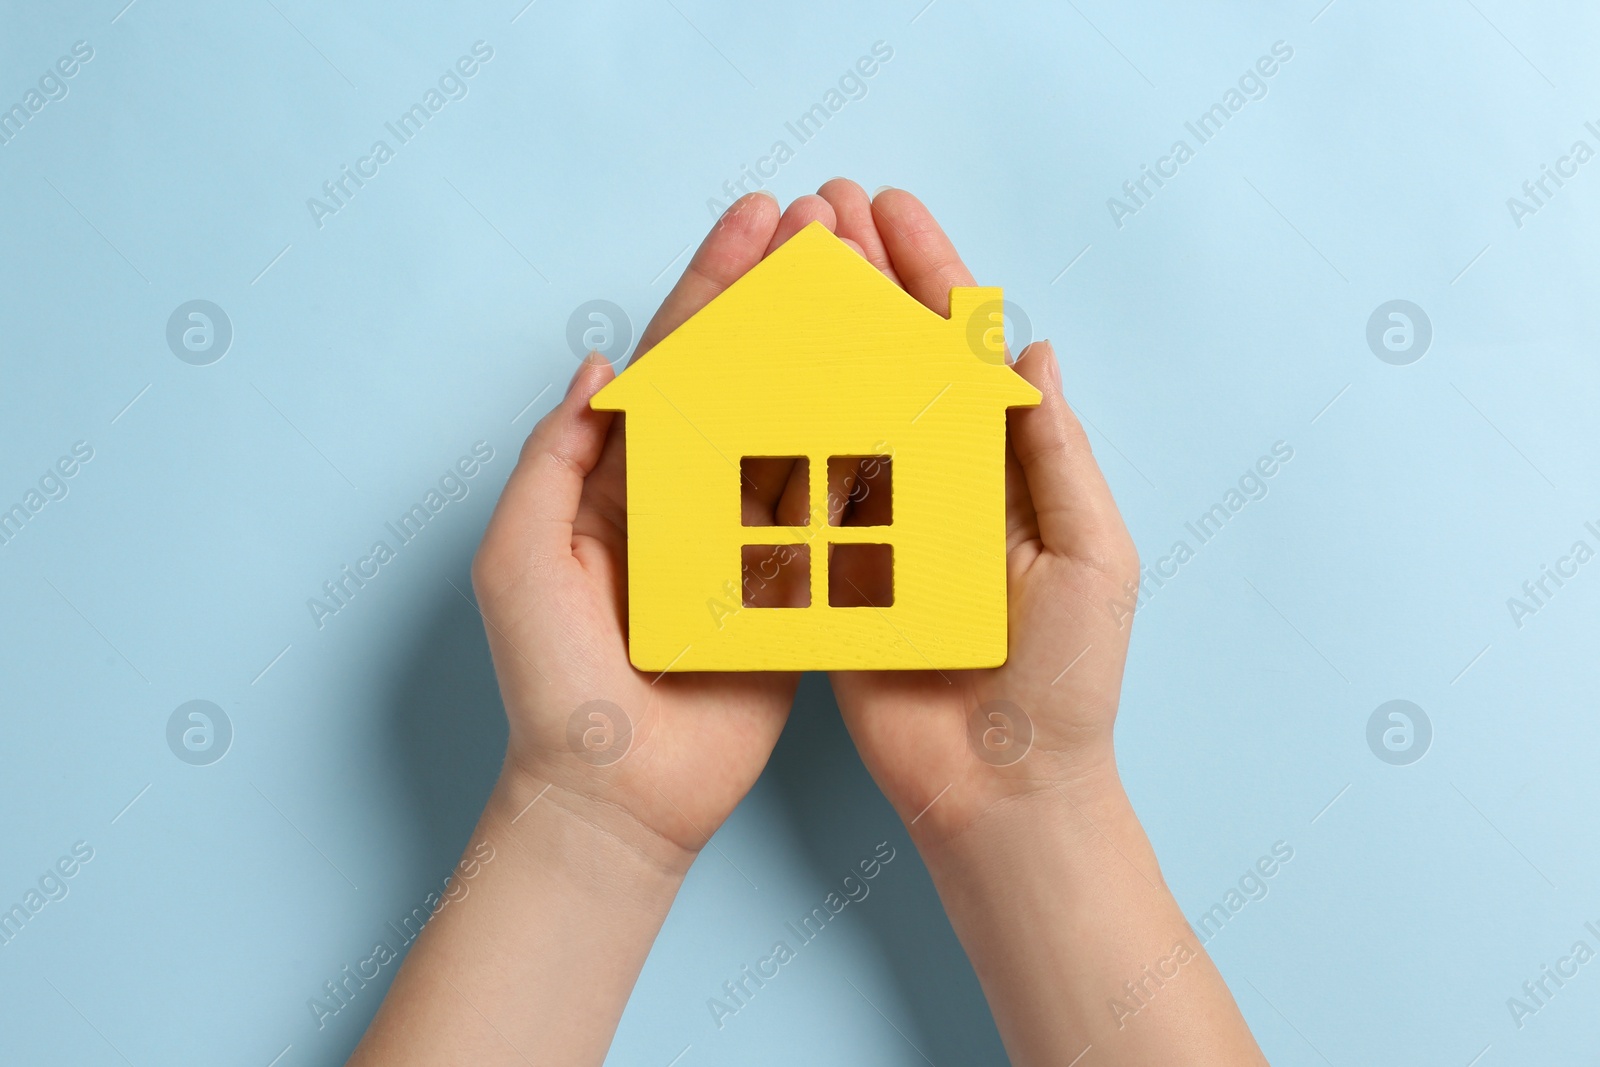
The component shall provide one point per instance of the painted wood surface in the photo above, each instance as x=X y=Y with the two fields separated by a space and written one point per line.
x=815 y=354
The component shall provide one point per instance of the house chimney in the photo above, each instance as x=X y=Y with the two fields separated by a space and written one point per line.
x=977 y=310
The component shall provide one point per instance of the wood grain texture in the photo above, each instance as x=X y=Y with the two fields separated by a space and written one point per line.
x=815 y=353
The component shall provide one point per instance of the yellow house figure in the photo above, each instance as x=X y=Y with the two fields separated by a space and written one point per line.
x=816 y=356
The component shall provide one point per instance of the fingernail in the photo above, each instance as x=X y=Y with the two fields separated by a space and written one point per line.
x=881 y=189
x=1050 y=359
x=592 y=359
x=742 y=202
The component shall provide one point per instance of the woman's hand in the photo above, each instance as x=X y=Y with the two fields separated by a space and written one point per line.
x=947 y=746
x=1006 y=777
x=658 y=760
x=614 y=779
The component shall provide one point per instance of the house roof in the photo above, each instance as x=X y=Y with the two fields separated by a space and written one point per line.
x=817 y=303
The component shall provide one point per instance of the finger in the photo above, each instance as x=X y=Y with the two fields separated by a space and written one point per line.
x=764 y=483
x=856 y=227
x=540 y=501
x=785 y=485
x=800 y=214
x=858 y=492
x=794 y=507
x=1076 y=514
x=736 y=243
x=842 y=480
x=859 y=575
x=922 y=255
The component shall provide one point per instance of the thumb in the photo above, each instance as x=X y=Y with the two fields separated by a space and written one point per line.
x=1076 y=513
x=540 y=501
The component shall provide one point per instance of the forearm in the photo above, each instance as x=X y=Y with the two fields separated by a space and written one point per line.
x=1076 y=940
x=536 y=962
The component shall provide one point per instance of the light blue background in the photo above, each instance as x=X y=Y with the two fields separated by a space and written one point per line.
x=1228 y=314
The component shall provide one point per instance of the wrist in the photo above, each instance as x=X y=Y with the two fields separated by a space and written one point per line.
x=1069 y=817
x=551 y=917
x=543 y=815
x=981 y=795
